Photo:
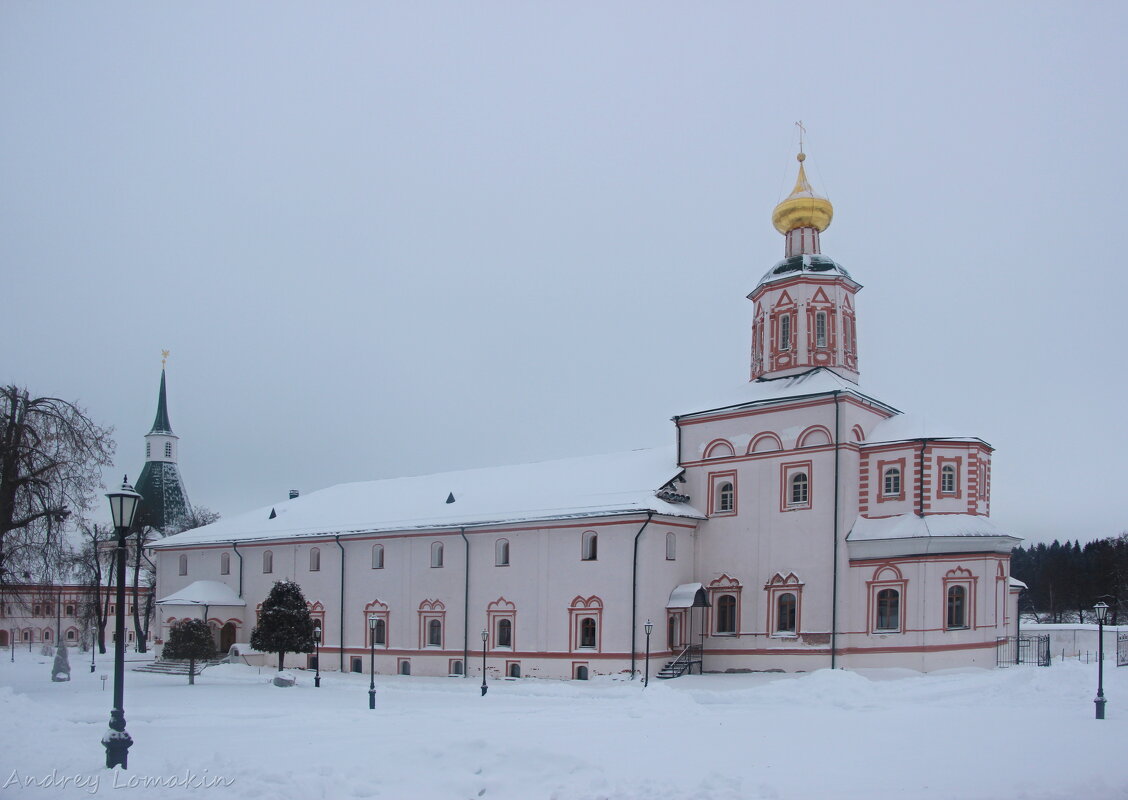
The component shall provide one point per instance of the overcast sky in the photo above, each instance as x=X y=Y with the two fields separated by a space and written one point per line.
x=386 y=239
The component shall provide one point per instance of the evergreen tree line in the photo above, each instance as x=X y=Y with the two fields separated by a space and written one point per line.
x=1065 y=580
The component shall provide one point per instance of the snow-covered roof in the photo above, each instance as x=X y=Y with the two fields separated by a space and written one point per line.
x=905 y=526
x=1015 y=583
x=908 y=534
x=618 y=483
x=688 y=595
x=913 y=426
x=805 y=263
x=204 y=593
x=819 y=380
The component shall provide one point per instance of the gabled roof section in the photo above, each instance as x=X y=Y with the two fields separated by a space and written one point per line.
x=615 y=484
x=814 y=382
x=161 y=423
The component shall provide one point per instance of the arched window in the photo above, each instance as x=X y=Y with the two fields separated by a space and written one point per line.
x=848 y=334
x=224 y=563
x=168 y=449
x=47 y=635
x=267 y=562
x=785 y=613
x=671 y=547
x=183 y=562
x=587 y=632
x=820 y=329
x=888 y=610
x=314 y=559
x=799 y=489
x=590 y=546
x=785 y=332
x=948 y=479
x=405 y=667
x=673 y=632
x=957 y=607
x=581 y=673
x=501 y=553
x=435 y=633
x=726 y=614
x=377 y=556
x=514 y=670
x=456 y=667
x=891 y=482
x=70 y=635
x=504 y=633
x=69 y=611
x=380 y=632
x=726 y=497
x=436 y=554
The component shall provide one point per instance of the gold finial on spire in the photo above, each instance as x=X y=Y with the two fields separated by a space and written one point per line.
x=164 y=358
x=802 y=208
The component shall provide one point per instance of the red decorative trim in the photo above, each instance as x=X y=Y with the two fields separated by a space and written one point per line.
x=786 y=473
x=879 y=476
x=810 y=433
x=717 y=449
x=580 y=609
x=767 y=436
x=716 y=480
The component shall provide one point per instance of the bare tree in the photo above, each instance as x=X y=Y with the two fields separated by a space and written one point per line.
x=94 y=568
x=51 y=455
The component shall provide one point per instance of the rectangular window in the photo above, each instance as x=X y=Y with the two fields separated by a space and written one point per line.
x=722 y=493
x=785 y=332
x=820 y=329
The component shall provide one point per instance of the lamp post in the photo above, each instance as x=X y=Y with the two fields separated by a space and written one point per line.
x=92 y=649
x=123 y=506
x=372 y=663
x=317 y=657
x=649 y=627
x=485 y=638
x=1102 y=614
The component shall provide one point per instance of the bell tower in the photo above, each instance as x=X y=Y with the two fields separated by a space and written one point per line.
x=803 y=308
x=164 y=503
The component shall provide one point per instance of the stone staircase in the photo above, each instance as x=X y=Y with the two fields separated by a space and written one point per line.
x=682 y=664
x=174 y=666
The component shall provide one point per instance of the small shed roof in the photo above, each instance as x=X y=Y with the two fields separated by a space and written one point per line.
x=689 y=595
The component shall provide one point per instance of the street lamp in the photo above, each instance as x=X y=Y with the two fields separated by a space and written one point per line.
x=1102 y=614
x=317 y=656
x=123 y=506
x=372 y=663
x=485 y=637
x=649 y=626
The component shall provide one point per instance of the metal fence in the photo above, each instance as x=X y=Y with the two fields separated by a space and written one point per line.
x=1122 y=649
x=1010 y=650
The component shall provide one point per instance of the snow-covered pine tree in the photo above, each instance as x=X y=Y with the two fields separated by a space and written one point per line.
x=60 y=670
x=285 y=625
x=190 y=639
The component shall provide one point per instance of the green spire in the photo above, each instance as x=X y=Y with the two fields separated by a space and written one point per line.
x=161 y=423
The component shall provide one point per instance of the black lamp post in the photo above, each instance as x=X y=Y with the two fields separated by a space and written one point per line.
x=485 y=638
x=92 y=649
x=123 y=506
x=1102 y=614
x=372 y=663
x=317 y=657
x=649 y=627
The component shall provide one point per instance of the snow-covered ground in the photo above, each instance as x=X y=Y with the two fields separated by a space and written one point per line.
x=1024 y=732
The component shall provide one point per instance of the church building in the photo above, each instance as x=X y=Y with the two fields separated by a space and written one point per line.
x=800 y=525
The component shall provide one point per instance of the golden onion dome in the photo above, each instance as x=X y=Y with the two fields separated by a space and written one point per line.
x=802 y=208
